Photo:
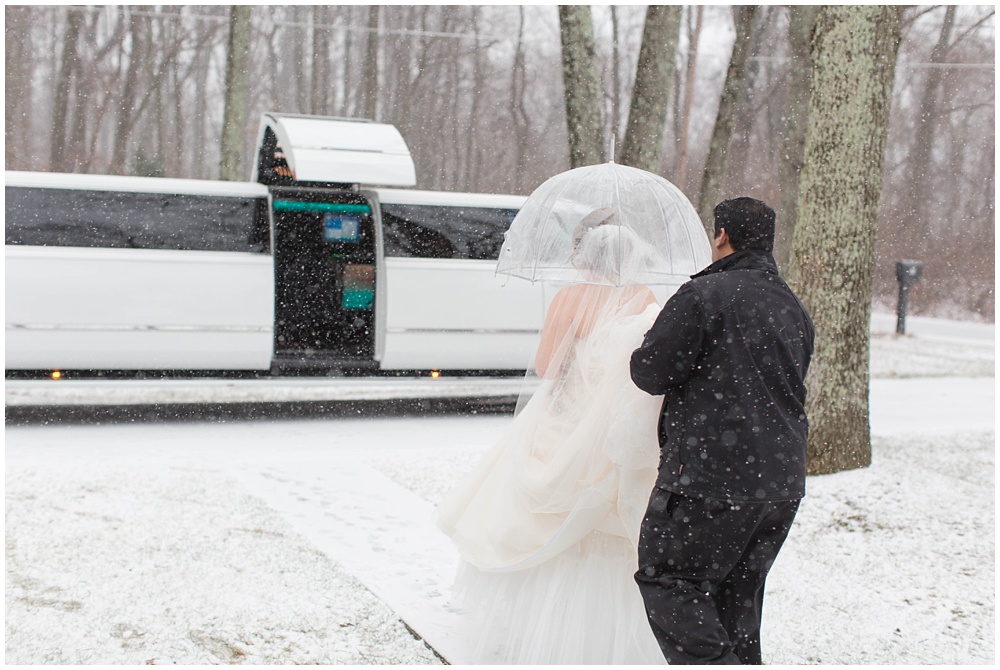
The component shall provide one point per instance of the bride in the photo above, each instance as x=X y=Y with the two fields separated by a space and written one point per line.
x=547 y=524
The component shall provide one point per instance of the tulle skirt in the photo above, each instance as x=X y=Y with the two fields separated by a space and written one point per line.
x=547 y=523
x=582 y=607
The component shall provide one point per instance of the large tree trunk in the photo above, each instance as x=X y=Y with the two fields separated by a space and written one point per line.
x=580 y=85
x=654 y=78
x=237 y=85
x=800 y=24
x=854 y=57
x=714 y=175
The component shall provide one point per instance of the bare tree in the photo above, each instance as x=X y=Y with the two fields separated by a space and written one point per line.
x=854 y=55
x=654 y=79
x=237 y=81
x=170 y=83
x=99 y=85
x=17 y=82
x=580 y=85
x=199 y=119
x=691 y=70
x=518 y=110
x=744 y=17
x=128 y=107
x=301 y=55
x=370 y=78
x=616 y=75
x=63 y=85
x=919 y=166
x=742 y=172
x=320 y=86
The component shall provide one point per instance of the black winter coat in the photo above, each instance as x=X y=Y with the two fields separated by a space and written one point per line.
x=729 y=351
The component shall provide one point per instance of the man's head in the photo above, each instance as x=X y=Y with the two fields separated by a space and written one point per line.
x=740 y=224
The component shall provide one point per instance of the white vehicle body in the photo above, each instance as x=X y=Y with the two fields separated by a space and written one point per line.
x=98 y=308
x=448 y=313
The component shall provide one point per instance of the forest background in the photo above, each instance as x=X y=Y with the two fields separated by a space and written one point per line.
x=477 y=92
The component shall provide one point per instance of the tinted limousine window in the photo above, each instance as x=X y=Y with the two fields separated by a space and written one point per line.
x=426 y=231
x=52 y=217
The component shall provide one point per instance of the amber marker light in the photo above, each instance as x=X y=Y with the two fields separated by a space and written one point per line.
x=56 y=374
x=435 y=374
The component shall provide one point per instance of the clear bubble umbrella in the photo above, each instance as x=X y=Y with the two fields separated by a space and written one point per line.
x=645 y=230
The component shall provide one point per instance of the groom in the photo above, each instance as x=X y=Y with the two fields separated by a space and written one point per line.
x=729 y=352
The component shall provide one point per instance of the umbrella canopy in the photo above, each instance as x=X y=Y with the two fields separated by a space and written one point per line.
x=605 y=224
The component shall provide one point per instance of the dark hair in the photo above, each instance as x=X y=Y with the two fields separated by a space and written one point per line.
x=748 y=222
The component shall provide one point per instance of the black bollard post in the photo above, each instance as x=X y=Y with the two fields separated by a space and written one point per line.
x=907 y=274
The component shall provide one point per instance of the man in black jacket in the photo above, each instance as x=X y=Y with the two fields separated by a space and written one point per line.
x=729 y=353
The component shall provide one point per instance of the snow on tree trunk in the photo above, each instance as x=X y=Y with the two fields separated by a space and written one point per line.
x=854 y=57
x=580 y=84
x=237 y=87
x=654 y=78
x=800 y=24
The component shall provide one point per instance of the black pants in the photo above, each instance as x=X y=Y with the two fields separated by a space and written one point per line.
x=702 y=565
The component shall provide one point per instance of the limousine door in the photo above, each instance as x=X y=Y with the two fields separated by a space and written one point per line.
x=324 y=232
x=440 y=304
x=324 y=263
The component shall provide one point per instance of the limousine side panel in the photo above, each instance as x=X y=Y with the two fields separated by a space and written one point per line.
x=107 y=309
x=456 y=314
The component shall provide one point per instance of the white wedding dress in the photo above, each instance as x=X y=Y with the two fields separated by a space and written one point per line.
x=547 y=524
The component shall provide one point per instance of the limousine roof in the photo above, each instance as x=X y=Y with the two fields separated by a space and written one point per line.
x=99 y=182
x=343 y=151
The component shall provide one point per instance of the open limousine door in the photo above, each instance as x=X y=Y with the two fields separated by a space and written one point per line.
x=385 y=278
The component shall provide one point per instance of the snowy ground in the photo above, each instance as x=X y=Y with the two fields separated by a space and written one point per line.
x=311 y=541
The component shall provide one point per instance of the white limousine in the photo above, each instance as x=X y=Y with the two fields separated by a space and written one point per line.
x=323 y=263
